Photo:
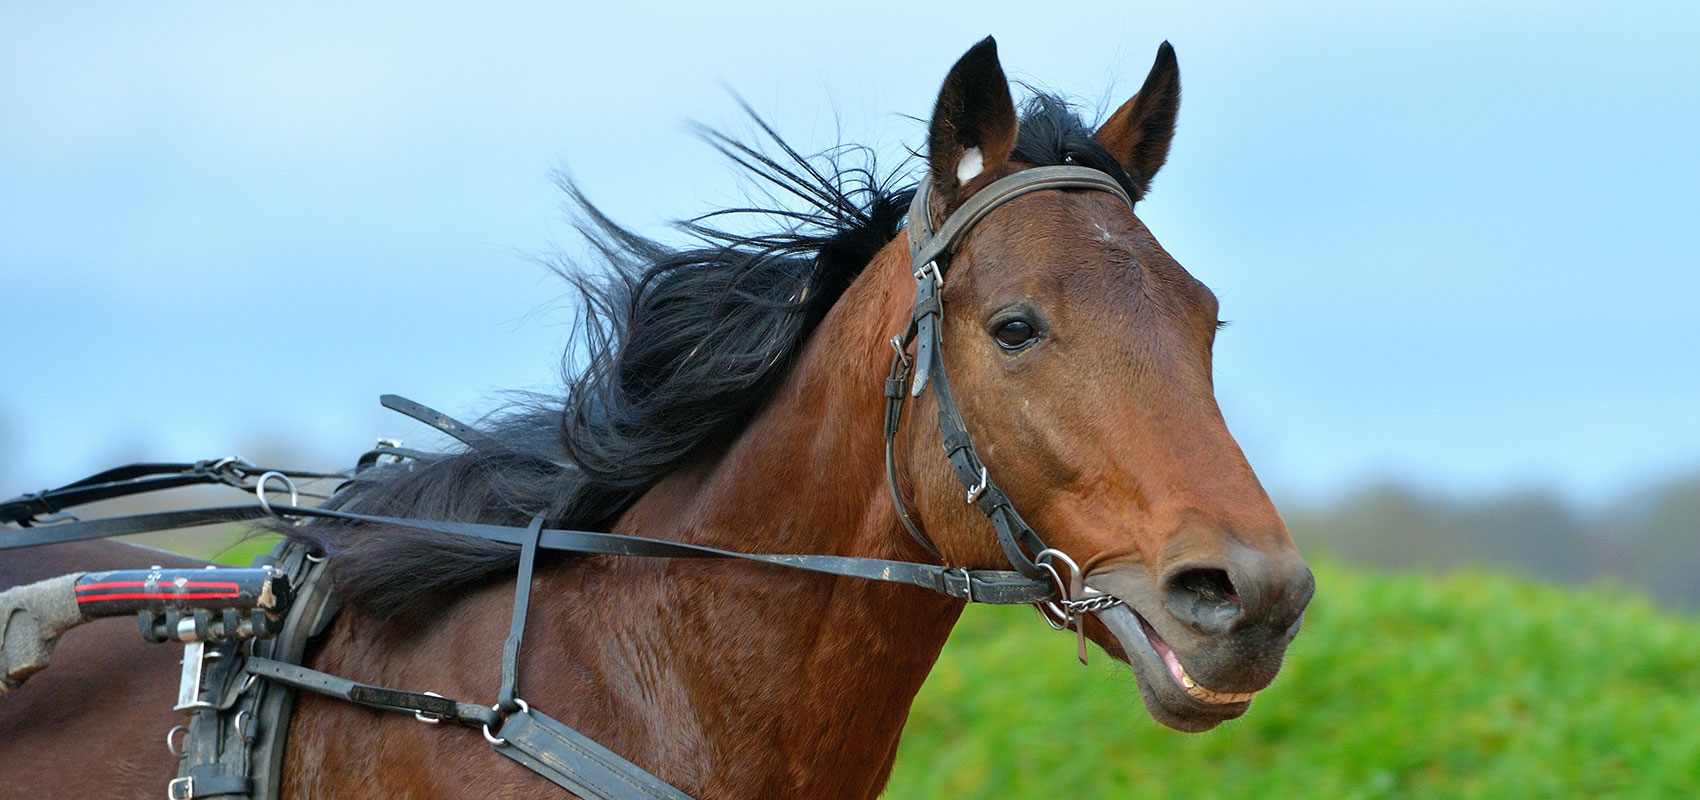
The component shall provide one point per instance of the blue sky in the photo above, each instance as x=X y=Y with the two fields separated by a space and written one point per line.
x=1456 y=243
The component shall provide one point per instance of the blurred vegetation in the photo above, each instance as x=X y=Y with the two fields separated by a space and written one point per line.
x=1650 y=541
x=1474 y=684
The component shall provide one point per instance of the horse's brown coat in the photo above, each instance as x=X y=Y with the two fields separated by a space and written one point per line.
x=733 y=680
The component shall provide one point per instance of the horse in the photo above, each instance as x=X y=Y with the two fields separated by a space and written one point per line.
x=729 y=397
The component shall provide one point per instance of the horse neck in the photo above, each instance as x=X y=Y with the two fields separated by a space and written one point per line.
x=794 y=683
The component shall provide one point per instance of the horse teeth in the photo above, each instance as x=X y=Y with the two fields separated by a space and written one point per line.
x=1204 y=695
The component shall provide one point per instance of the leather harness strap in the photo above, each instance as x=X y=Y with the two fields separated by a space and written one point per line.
x=555 y=751
x=930 y=253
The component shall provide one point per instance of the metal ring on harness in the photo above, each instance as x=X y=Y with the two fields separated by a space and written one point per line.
x=260 y=494
x=493 y=739
x=1052 y=611
x=176 y=749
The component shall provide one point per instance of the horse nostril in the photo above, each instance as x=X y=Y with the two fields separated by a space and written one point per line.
x=1204 y=599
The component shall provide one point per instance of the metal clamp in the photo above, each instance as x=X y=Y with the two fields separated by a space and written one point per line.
x=232 y=470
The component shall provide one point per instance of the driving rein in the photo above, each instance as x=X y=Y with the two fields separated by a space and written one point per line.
x=233 y=744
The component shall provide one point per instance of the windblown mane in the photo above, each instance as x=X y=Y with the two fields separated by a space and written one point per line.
x=681 y=348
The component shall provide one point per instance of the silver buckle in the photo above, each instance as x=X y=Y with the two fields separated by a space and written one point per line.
x=932 y=268
x=180 y=789
x=967 y=583
x=974 y=492
x=428 y=718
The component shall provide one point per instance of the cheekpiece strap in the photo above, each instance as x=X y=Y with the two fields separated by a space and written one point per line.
x=930 y=251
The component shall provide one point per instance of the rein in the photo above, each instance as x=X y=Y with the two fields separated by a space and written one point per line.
x=220 y=745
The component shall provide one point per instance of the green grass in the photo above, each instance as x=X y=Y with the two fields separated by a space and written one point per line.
x=1468 y=685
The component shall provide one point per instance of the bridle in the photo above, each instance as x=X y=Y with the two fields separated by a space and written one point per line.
x=222 y=758
x=930 y=252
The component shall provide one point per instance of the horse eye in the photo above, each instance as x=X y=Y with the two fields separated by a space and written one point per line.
x=1014 y=334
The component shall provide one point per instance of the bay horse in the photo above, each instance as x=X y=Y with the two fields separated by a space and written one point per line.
x=730 y=398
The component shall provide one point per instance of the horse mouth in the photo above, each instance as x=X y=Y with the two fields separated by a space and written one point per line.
x=1170 y=694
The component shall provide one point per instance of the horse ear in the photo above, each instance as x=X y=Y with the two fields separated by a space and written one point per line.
x=1138 y=134
x=974 y=123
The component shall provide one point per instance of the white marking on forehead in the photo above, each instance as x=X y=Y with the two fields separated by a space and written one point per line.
x=972 y=164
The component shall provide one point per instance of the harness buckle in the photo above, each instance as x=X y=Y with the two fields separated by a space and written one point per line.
x=930 y=268
x=967 y=581
x=975 y=491
x=428 y=717
x=901 y=348
x=180 y=789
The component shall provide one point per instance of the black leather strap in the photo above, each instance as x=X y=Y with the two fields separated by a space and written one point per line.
x=429 y=705
x=203 y=783
x=930 y=253
x=123 y=526
x=998 y=587
x=927 y=245
x=468 y=435
x=135 y=479
x=572 y=761
x=982 y=586
x=506 y=696
x=896 y=387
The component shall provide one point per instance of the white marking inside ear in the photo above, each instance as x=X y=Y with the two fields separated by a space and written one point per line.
x=972 y=164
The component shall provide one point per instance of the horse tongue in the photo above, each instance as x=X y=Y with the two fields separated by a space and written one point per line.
x=1124 y=624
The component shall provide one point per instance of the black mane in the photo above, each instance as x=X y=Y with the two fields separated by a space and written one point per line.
x=682 y=346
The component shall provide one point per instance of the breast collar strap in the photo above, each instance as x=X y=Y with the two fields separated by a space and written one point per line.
x=930 y=251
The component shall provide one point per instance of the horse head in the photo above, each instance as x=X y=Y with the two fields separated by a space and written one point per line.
x=1079 y=353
